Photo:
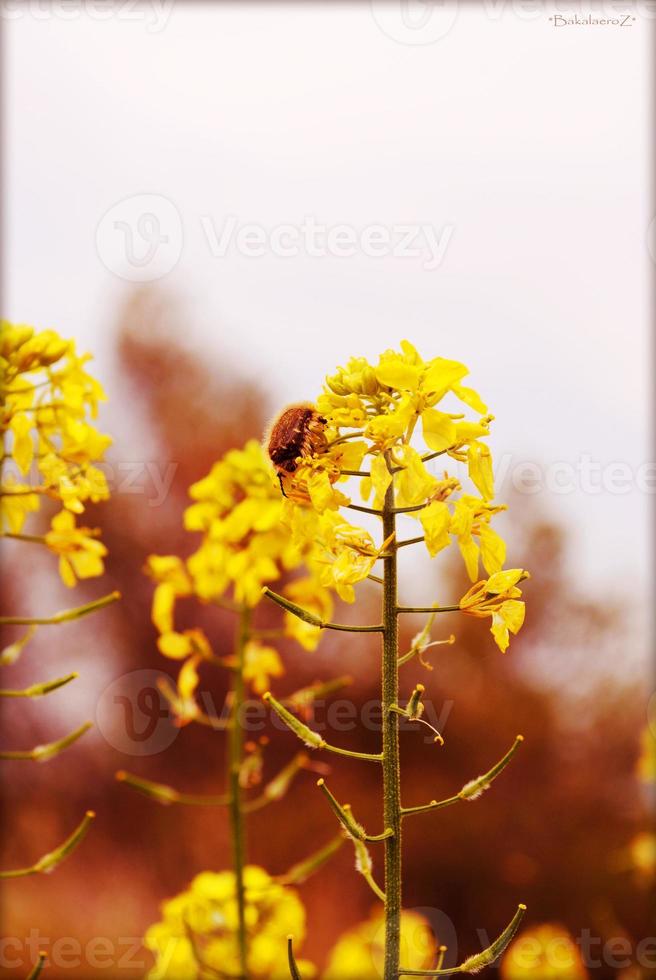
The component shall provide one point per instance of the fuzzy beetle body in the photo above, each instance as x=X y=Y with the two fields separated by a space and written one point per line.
x=299 y=431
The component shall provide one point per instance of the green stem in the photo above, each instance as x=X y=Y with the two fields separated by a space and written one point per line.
x=428 y=609
x=391 y=764
x=65 y=616
x=236 y=806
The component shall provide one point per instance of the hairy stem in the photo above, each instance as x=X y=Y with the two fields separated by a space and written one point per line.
x=391 y=765
x=236 y=806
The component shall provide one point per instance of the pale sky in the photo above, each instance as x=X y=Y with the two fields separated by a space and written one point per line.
x=514 y=153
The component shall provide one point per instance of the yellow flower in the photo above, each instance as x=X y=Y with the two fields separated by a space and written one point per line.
x=247 y=541
x=479 y=459
x=173 y=582
x=388 y=399
x=80 y=552
x=189 y=643
x=311 y=595
x=15 y=505
x=642 y=850
x=387 y=404
x=182 y=696
x=238 y=509
x=647 y=760
x=207 y=915
x=498 y=597
x=360 y=952
x=350 y=554
x=547 y=951
x=471 y=518
x=48 y=397
x=261 y=663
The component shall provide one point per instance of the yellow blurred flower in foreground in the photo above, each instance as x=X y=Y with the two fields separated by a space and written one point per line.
x=359 y=953
x=642 y=850
x=197 y=935
x=546 y=952
x=646 y=766
x=80 y=553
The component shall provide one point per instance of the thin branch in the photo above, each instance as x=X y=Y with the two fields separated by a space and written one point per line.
x=471 y=790
x=427 y=609
x=364 y=510
x=34 y=538
x=310 y=738
x=440 y=452
x=276 y=788
x=300 y=700
x=299 y=873
x=293 y=969
x=65 y=616
x=51 y=860
x=41 y=753
x=419 y=650
x=404 y=544
x=167 y=794
x=348 y=821
x=340 y=439
x=475 y=963
x=309 y=617
x=38 y=966
x=38 y=690
x=364 y=866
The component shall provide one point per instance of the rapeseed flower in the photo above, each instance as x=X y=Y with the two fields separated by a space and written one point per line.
x=394 y=417
x=197 y=934
x=50 y=446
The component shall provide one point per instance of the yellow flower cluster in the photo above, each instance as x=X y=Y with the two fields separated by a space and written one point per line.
x=50 y=447
x=238 y=510
x=375 y=413
x=646 y=766
x=547 y=951
x=197 y=936
x=499 y=598
x=360 y=951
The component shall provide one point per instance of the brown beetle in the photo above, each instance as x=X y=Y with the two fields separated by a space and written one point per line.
x=299 y=431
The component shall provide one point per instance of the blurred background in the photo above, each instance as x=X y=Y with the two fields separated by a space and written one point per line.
x=223 y=202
